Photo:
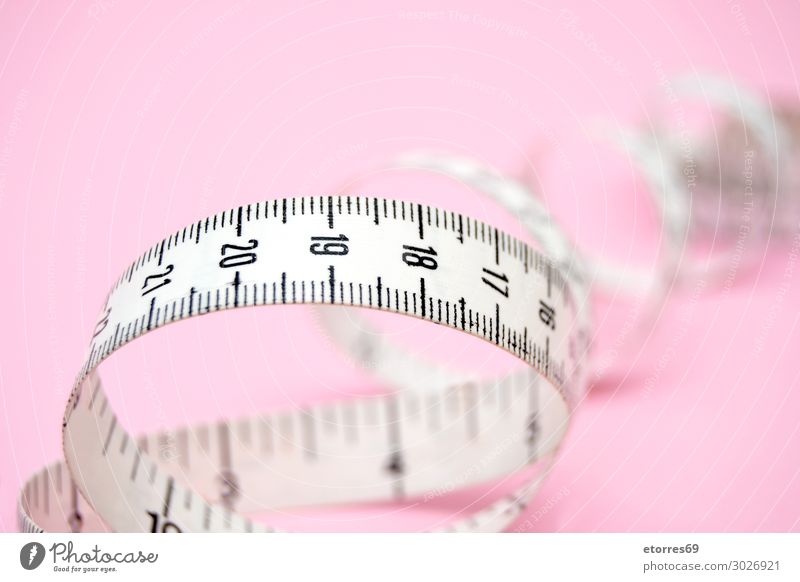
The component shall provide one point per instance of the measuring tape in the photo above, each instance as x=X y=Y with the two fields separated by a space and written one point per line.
x=332 y=251
x=401 y=369
x=729 y=183
x=752 y=154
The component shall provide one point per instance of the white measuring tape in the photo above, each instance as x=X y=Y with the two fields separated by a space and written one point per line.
x=737 y=181
x=394 y=256
x=399 y=368
x=755 y=152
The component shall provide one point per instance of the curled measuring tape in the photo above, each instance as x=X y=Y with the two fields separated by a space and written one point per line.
x=727 y=184
x=752 y=155
x=390 y=255
x=396 y=366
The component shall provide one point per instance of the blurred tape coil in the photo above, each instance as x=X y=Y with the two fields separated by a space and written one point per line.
x=394 y=256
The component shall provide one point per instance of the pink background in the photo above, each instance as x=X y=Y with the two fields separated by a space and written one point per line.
x=122 y=121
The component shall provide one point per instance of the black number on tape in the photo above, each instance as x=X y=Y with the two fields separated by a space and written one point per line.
x=166 y=527
x=238 y=259
x=499 y=277
x=547 y=314
x=101 y=325
x=151 y=279
x=419 y=257
x=330 y=245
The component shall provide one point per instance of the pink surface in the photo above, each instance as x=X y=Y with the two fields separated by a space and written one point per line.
x=123 y=121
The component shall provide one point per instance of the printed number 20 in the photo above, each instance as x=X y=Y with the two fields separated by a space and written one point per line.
x=241 y=258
